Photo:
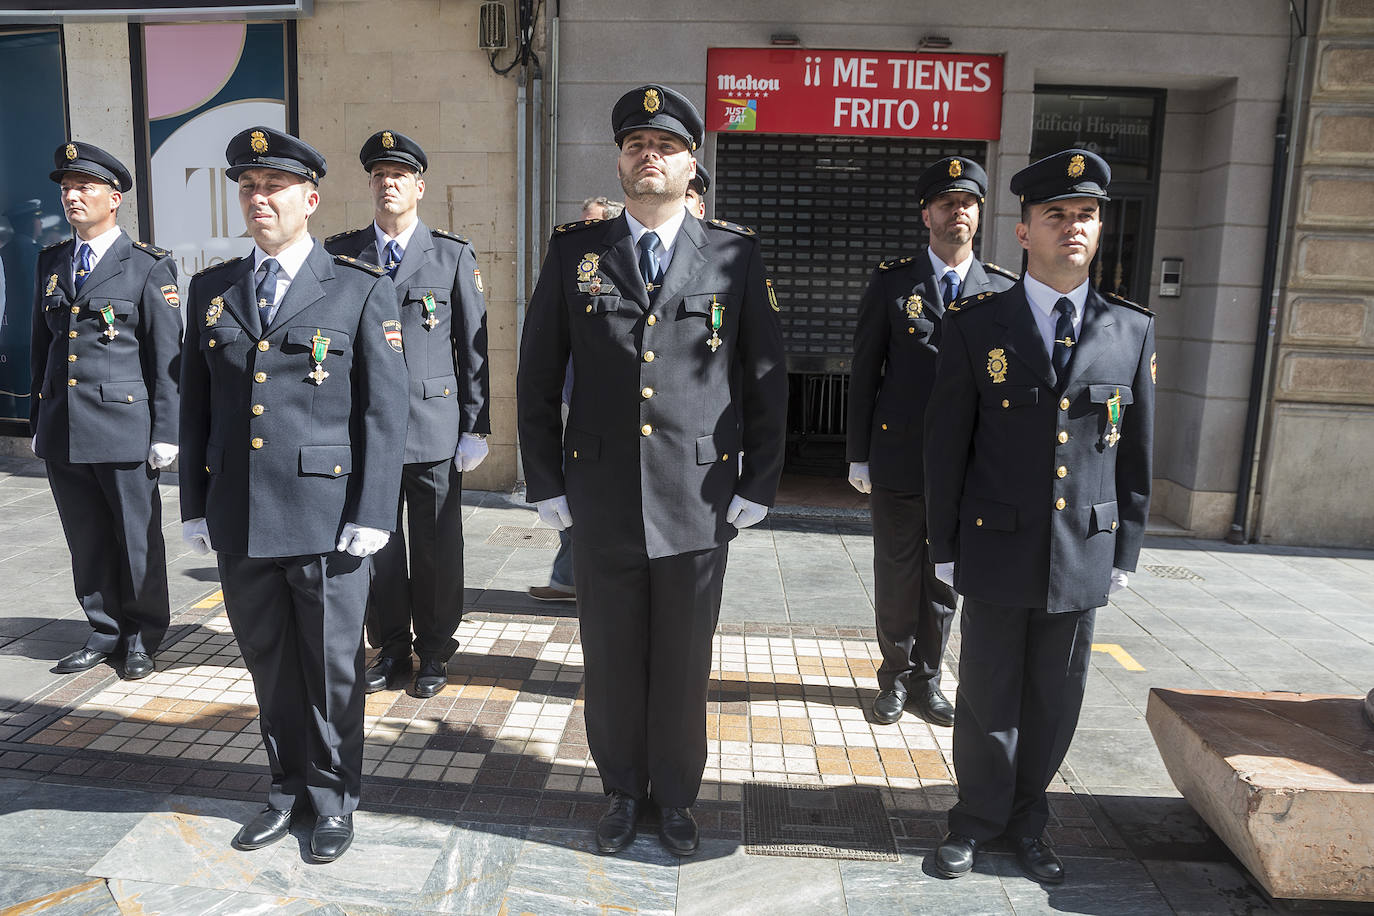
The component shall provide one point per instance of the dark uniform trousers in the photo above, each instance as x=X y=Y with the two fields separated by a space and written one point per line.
x=896 y=343
x=1036 y=493
x=276 y=464
x=449 y=387
x=99 y=402
x=649 y=462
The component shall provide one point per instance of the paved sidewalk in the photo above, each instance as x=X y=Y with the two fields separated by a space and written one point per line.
x=121 y=797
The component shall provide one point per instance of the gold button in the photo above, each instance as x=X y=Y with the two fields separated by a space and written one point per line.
x=76 y=309
x=71 y=383
x=589 y=310
x=911 y=330
x=211 y=344
x=646 y=429
x=129 y=398
x=264 y=346
x=1063 y=436
x=338 y=469
x=1061 y=471
x=1059 y=503
x=72 y=335
x=725 y=457
x=651 y=320
x=648 y=356
x=978 y=522
x=446 y=392
x=1113 y=526
x=259 y=377
x=207 y=469
x=71 y=357
x=1006 y=403
x=258 y=409
x=257 y=442
x=574 y=453
x=884 y=426
x=646 y=392
x=1063 y=403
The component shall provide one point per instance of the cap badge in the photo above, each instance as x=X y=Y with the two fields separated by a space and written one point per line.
x=956 y=168
x=997 y=365
x=1076 y=166
x=388 y=141
x=257 y=141
x=652 y=102
x=70 y=151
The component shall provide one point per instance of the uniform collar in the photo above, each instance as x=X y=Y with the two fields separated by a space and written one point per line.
x=100 y=244
x=402 y=238
x=290 y=260
x=940 y=266
x=1044 y=297
x=667 y=230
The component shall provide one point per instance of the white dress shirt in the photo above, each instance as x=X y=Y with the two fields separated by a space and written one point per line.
x=1042 y=299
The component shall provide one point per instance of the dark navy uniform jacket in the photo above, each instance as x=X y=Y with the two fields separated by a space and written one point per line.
x=99 y=398
x=449 y=386
x=275 y=463
x=1029 y=488
x=895 y=345
x=657 y=418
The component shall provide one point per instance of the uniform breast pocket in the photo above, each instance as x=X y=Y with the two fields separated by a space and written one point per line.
x=441 y=387
x=214 y=340
x=308 y=339
x=1000 y=398
x=427 y=299
x=602 y=306
x=118 y=309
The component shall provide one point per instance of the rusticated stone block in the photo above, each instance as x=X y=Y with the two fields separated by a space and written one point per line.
x=1286 y=780
x=1340 y=200
x=1338 y=321
x=1343 y=136
x=1336 y=259
x=1345 y=69
x=1316 y=375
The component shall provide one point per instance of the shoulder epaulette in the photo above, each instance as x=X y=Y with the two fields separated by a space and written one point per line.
x=445 y=234
x=573 y=227
x=54 y=245
x=361 y=265
x=152 y=249
x=1118 y=300
x=895 y=262
x=968 y=302
x=346 y=232
x=206 y=270
x=1000 y=271
x=732 y=227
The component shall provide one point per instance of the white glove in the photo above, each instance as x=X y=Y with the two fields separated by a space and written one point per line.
x=33 y=445
x=555 y=513
x=161 y=454
x=472 y=449
x=361 y=542
x=1119 y=579
x=858 y=477
x=742 y=513
x=945 y=573
x=196 y=534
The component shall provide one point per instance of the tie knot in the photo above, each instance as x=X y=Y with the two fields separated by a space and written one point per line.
x=649 y=241
x=1065 y=307
x=84 y=251
x=269 y=267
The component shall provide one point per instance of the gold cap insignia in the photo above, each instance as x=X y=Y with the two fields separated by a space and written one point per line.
x=956 y=168
x=70 y=151
x=1076 y=166
x=388 y=141
x=257 y=141
x=997 y=365
x=652 y=102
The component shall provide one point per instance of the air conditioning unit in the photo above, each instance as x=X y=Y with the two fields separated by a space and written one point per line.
x=493 y=32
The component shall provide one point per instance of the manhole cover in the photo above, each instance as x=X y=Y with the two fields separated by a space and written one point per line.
x=511 y=536
x=1173 y=572
x=844 y=822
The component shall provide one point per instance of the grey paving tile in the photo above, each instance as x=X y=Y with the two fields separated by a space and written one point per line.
x=19 y=884
x=1107 y=758
x=474 y=869
x=1103 y=886
x=558 y=872
x=722 y=878
x=143 y=897
x=910 y=887
x=187 y=843
x=1207 y=889
x=80 y=897
x=75 y=825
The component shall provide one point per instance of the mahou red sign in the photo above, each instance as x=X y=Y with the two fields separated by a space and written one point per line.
x=864 y=93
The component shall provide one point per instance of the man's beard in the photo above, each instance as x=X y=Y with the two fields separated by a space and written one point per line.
x=649 y=189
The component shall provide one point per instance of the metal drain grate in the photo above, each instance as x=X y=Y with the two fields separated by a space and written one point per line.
x=844 y=822
x=511 y=536
x=1173 y=572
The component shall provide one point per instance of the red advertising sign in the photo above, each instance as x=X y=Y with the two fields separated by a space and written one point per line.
x=854 y=93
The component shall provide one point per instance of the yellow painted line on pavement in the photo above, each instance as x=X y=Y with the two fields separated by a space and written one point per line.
x=1122 y=657
x=217 y=597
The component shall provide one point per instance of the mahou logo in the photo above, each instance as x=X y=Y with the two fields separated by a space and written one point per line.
x=728 y=82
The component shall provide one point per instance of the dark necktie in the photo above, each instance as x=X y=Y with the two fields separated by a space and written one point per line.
x=393 y=258
x=267 y=290
x=951 y=286
x=1063 y=336
x=84 y=259
x=649 y=268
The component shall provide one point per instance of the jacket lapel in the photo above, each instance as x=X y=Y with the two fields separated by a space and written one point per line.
x=686 y=263
x=305 y=288
x=976 y=281
x=1023 y=336
x=110 y=266
x=618 y=262
x=925 y=285
x=1094 y=338
x=240 y=299
x=416 y=253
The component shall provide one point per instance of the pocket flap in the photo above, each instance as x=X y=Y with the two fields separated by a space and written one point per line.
x=1100 y=394
x=121 y=307
x=710 y=450
x=581 y=446
x=605 y=305
x=211 y=338
x=1006 y=398
x=1104 y=518
x=214 y=458
x=700 y=304
x=326 y=460
x=301 y=336
x=440 y=387
x=891 y=424
x=123 y=392
x=418 y=293
x=984 y=513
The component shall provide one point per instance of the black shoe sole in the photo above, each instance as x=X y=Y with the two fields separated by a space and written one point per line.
x=610 y=849
x=315 y=857
x=944 y=873
x=425 y=694
x=263 y=845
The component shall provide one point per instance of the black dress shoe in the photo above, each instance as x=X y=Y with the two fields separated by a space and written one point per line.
x=930 y=704
x=385 y=672
x=270 y=825
x=137 y=665
x=80 y=660
x=954 y=855
x=617 y=826
x=332 y=837
x=677 y=831
x=431 y=678
x=1039 y=860
x=887 y=707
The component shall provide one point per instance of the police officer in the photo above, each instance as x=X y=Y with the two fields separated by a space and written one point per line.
x=678 y=357
x=292 y=425
x=1038 y=442
x=895 y=345
x=696 y=192
x=106 y=337
x=444 y=319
